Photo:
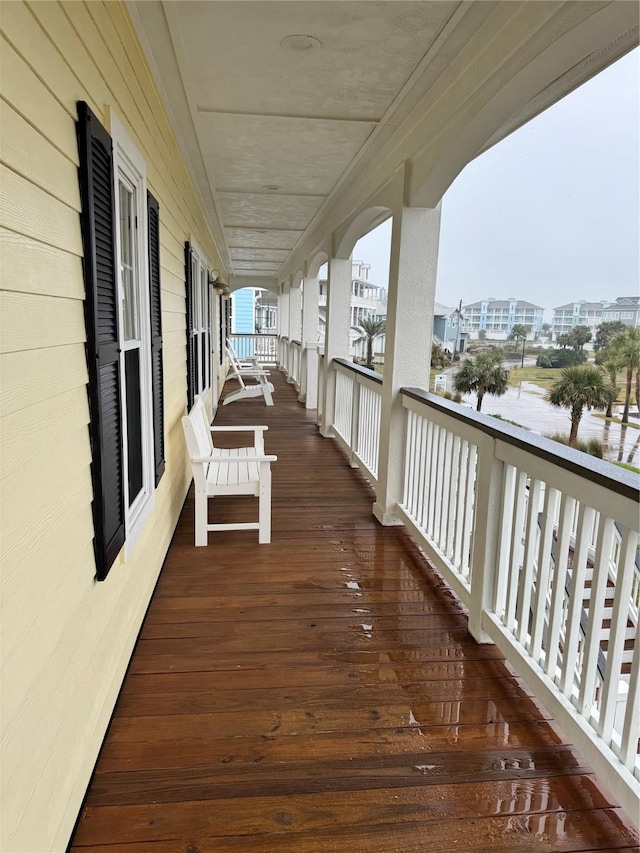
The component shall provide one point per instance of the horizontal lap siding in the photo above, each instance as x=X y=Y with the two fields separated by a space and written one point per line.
x=66 y=640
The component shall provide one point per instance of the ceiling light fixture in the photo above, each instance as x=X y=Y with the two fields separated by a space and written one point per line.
x=300 y=43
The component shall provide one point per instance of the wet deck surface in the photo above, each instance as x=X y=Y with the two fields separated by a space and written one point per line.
x=322 y=694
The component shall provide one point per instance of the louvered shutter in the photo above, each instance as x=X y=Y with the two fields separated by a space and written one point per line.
x=191 y=340
x=103 y=354
x=153 y=215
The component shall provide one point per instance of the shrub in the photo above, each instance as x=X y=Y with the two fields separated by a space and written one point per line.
x=593 y=446
x=457 y=397
x=543 y=361
x=447 y=395
x=561 y=358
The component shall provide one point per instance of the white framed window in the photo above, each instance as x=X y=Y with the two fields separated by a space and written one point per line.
x=201 y=319
x=135 y=333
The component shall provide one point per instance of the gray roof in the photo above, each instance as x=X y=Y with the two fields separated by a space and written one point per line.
x=584 y=306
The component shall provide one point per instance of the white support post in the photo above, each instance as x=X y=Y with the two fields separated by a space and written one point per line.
x=310 y=300
x=295 y=314
x=295 y=329
x=412 y=287
x=337 y=333
x=283 y=323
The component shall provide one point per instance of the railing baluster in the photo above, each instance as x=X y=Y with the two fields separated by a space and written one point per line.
x=433 y=478
x=439 y=484
x=516 y=547
x=453 y=491
x=527 y=578
x=425 y=464
x=572 y=634
x=506 y=522
x=461 y=497
x=446 y=486
x=419 y=448
x=558 y=591
x=622 y=595
x=544 y=571
x=631 y=725
x=470 y=501
x=595 y=614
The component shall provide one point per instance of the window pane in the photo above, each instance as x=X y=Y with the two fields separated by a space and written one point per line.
x=127 y=260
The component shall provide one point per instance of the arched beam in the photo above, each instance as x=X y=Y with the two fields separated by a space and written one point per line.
x=540 y=83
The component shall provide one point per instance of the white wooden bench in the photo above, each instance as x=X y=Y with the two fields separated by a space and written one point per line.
x=221 y=471
x=262 y=387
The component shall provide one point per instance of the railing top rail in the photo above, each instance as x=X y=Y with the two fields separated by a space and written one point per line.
x=357 y=368
x=253 y=335
x=599 y=471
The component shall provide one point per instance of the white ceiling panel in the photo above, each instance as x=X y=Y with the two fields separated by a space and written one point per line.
x=255 y=238
x=278 y=255
x=268 y=210
x=301 y=156
x=367 y=50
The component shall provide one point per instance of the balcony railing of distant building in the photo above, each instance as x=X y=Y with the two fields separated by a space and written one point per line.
x=541 y=549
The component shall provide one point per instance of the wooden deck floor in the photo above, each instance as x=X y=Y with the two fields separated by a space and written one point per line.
x=322 y=694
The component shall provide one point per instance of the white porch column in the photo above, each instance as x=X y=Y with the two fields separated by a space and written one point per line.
x=310 y=299
x=412 y=288
x=295 y=313
x=283 y=324
x=336 y=343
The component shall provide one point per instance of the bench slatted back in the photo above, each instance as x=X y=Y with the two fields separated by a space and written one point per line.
x=199 y=442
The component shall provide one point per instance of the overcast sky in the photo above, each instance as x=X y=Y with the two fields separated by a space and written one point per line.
x=550 y=214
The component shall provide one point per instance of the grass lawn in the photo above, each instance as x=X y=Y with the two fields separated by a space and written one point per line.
x=614 y=420
x=542 y=376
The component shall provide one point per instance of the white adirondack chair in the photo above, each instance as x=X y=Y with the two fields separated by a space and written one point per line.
x=220 y=471
x=249 y=362
x=261 y=387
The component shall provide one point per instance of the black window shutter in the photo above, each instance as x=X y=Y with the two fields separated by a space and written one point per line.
x=101 y=319
x=153 y=215
x=191 y=342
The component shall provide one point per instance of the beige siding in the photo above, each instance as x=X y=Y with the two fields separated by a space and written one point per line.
x=66 y=639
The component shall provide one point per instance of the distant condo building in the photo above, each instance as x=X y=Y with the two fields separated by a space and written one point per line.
x=625 y=308
x=582 y=313
x=497 y=317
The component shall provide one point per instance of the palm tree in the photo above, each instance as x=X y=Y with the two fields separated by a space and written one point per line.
x=483 y=374
x=577 y=387
x=517 y=333
x=625 y=348
x=611 y=365
x=370 y=328
x=439 y=356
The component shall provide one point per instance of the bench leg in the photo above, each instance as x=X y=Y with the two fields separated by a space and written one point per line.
x=264 y=504
x=267 y=389
x=201 y=519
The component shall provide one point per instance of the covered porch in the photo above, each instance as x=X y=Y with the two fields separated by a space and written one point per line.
x=323 y=693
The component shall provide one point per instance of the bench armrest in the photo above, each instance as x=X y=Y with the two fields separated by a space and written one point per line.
x=238 y=428
x=237 y=460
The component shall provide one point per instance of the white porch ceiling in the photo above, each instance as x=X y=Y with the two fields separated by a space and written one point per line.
x=273 y=136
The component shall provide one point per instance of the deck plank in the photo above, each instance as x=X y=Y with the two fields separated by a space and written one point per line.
x=322 y=694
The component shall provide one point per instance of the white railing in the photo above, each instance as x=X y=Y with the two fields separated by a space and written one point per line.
x=294 y=363
x=357 y=415
x=262 y=347
x=542 y=550
x=540 y=547
x=321 y=380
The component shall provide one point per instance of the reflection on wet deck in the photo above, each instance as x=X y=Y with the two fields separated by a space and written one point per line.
x=323 y=694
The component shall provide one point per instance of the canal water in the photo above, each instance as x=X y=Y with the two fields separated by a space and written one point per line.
x=525 y=405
